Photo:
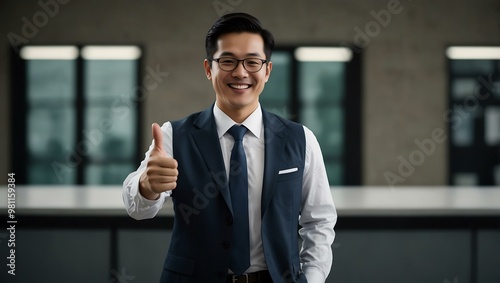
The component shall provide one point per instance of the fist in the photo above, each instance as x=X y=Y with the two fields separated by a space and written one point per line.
x=161 y=171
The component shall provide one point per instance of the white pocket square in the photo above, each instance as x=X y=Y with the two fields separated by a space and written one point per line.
x=286 y=171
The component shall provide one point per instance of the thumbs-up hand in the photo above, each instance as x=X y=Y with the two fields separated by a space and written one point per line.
x=161 y=171
x=158 y=140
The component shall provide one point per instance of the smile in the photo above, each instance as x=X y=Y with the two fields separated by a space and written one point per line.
x=236 y=86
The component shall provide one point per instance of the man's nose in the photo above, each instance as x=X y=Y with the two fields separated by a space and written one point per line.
x=240 y=70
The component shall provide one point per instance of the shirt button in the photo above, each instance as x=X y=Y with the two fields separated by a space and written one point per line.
x=226 y=245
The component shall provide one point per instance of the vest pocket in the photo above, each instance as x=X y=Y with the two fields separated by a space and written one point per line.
x=179 y=264
x=288 y=174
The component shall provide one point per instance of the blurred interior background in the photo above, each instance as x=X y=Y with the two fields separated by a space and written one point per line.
x=399 y=93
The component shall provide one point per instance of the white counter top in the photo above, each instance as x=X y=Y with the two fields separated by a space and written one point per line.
x=350 y=201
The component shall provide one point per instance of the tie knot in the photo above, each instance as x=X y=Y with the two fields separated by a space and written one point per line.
x=238 y=132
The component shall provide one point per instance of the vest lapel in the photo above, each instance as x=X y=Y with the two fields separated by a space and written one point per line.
x=207 y=141
x=275 y=139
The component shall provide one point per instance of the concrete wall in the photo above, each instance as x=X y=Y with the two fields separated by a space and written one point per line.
x=404 y=69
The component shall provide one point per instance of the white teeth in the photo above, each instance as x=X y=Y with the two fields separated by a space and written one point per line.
x=239 y=86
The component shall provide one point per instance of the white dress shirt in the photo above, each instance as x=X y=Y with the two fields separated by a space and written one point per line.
x=318 y=214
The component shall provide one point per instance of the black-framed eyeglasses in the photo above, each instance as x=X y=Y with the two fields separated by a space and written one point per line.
x=228 y=64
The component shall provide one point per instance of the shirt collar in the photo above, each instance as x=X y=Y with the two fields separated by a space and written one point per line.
x=253 y=123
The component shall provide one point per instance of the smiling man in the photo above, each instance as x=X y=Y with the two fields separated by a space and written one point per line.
x=238 y=86
x=242 y=180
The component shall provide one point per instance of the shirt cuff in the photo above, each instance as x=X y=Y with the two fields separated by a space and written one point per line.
x=135 y=192
x=314 y=275
x=139 y=207
x=147 y=202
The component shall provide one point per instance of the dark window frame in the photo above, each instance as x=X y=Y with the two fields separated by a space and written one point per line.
x=19 y=106
x=352 y=157
x=480 y=157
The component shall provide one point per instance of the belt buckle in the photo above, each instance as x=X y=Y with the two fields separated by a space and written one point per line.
x=236 y=280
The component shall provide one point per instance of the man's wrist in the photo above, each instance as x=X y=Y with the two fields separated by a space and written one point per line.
x=145 y=192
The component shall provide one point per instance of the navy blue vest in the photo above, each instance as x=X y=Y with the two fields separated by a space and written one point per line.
x=201 y=241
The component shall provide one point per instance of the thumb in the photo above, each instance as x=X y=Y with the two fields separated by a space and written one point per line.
x=157 y=138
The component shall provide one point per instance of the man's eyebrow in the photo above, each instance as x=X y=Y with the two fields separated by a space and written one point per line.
x=226 y=53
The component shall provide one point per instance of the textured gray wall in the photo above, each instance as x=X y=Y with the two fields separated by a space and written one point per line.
x=404 y=69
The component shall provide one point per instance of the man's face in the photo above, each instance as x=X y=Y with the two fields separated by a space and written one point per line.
x=238 y=90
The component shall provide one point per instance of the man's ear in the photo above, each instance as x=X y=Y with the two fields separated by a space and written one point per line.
x=208 y=70
x=269 y=68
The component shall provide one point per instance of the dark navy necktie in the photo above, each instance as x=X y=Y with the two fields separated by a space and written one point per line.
x=238 y=186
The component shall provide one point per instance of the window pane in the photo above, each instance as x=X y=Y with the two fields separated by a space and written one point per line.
x=472 y=67
x=492 y=84
x=112 y=135
x=463 y=133
x=58 y=172
x=465 y=179
x=110 y=119
x=321 y=93
x=107 y=80
x=488 y=87
x=495 y=88
x=475 y=127
x=108 y=174
x=335 y=172
x=321 y=82
x=50 y=132
x=277 y=92
x=327 y=124
x=50 y=129
x=50 y=81
x=463 y=88
x=109 y=115
x=492 y=125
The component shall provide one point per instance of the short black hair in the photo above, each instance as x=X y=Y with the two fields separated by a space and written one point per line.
x=237 y=22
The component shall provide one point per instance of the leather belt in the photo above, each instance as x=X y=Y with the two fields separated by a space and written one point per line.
x=255 y=277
